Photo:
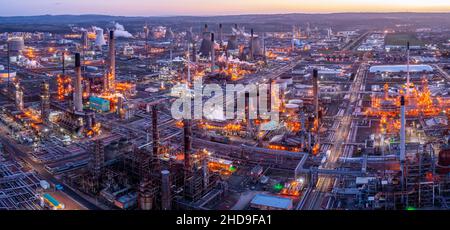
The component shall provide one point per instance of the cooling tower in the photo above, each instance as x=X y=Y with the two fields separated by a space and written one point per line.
x=205 y=47
x=189 y=36
x=84 y=39
x=169 y=34
x=232 y=43
x=255 y=46
x=99 y=38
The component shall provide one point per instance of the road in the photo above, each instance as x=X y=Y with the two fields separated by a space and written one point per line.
x=318 y=195
x=444 y=74
x=20 y=152
x=352 y=45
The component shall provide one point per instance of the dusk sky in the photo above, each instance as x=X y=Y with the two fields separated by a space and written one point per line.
x=213 y=7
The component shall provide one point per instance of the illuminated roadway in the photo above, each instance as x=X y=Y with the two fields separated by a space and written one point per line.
x=315 y=198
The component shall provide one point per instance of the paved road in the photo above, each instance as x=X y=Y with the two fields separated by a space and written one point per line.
x=444 y=74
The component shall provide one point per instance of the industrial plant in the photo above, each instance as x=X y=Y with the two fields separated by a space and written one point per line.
x=86 y=115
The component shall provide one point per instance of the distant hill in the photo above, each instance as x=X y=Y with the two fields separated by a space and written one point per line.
x=282 y=21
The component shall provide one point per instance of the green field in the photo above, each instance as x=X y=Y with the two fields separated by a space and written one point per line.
x=400 y=39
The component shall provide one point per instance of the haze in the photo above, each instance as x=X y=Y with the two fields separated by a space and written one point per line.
x=213 y=7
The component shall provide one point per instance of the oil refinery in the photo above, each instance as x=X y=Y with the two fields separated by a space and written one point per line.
x=87 y=123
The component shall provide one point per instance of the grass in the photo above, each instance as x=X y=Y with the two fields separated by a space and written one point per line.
x=400 y=39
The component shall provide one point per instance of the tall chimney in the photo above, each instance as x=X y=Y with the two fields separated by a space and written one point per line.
x=188 y=79
x=316 y=92
x=112 y=62
x=212 y=52
x=194 y=52
x=45 y=102
x=165 y=190
x=402 y=142
x=251 y=44
x=64 y=63
x=19 y=96
x=293 y=38
x=155 y=131
x=9 y=70
x=264 y=47
x=402 y=130
x=78 y=91
x=187 y=136
x=220 y=34
x=316 y=124
x=407 y=69
x=84 y=39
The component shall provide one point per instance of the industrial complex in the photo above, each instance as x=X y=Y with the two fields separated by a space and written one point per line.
x=86 y=116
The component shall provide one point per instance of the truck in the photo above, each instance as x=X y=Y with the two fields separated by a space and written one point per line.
x=59 y=187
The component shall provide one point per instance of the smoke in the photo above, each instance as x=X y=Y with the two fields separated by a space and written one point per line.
x=240 y=31
x=121 y=32
x=96 y=28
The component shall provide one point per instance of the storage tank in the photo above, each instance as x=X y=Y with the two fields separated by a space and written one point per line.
x=16 y=45
x=44 y=184
x=292 y=108
x=298 y=102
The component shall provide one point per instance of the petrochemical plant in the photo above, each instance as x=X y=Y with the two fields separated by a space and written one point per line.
x=86 y=120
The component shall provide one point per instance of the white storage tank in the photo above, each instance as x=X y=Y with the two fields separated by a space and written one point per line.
x=44 y=184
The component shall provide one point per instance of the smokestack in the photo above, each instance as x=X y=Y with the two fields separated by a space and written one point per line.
x=112 y=62
x=194 y=52
x=402 y=141
x=316 y=107
x=9 y=71
x=316 y=92
x=220 y=34
x=251 y=44
x=155 y=132
x=45 y=102
x=264 y=47
x=19 y=96
x=293 y=37
x=78 y=91
x=188 y=80
x=64 y=63
x=165 y=190
x=187 y=136
x=212 y=52
x=84 y=39
x=205 y=172
x=407 y=69
x=402 y=130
